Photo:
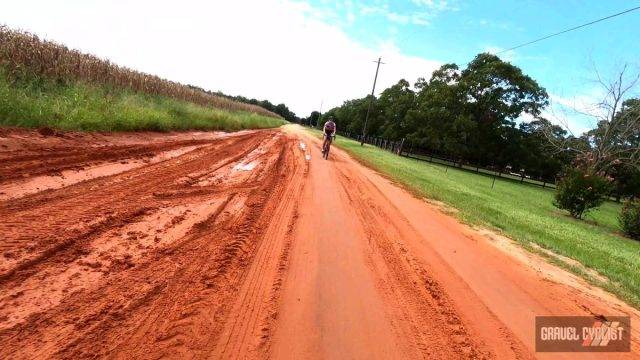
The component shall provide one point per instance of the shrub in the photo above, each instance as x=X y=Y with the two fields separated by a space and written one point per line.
x=579 y=191
x=630 y=219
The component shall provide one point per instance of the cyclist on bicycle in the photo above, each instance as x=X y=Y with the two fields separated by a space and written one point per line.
x=329 y=133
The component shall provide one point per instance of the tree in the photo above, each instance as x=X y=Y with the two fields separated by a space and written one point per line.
x=626 y=181
x=438 y=121
x=466 y=114
x=394 y=103
x=616 y=138
x=540 y=159
x=313 y=118
x=608 y=154
x=470 y=113
x=283 y=110
x=496 y=94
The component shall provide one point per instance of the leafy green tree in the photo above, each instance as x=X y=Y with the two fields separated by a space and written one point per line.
x=394 y=103
x=496 y=93
x=313 y=118
x=626 y=181
x=467 y=114
x=537 y=157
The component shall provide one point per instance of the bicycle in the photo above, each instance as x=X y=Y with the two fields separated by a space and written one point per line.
x=326 y=146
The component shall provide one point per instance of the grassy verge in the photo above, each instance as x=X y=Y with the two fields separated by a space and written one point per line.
x=522 y=212
x=77 y=106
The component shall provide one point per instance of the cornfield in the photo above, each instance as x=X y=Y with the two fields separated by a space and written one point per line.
x=24 y=53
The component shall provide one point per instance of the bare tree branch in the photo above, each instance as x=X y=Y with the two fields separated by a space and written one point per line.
x=616 y=134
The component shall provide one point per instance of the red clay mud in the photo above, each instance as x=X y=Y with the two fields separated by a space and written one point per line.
x=249 y=245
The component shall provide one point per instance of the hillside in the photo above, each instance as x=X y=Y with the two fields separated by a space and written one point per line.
x=43 y=83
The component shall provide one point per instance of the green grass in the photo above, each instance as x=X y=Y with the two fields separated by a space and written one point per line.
x=40 y=103
x=522 y=212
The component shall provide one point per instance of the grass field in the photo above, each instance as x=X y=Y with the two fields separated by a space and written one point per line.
x=522 y=212
x=79 y=106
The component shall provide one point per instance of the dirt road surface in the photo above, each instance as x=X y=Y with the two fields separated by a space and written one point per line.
x=250 y=245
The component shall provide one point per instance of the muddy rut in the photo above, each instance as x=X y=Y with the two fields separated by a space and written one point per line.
x=245 y=245
x=144 y=263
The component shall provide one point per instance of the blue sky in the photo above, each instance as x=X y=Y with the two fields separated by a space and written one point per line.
x=455 y=31
x=315 y=54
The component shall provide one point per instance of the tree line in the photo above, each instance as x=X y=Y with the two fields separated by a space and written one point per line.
x=476 y=115
x=279 y=109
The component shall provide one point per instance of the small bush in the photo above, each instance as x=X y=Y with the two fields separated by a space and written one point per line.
x=630 y=219
x=579 y=191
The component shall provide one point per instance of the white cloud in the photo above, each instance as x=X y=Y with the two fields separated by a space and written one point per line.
x=420 y=18
x=416 y=18
x=500 y=25
x=351 y=16
x=398 y=18
x=571 y=112
x=578 y=113
x=575 y=124
x=283 y=51
x=436 y=5
x=426 y=11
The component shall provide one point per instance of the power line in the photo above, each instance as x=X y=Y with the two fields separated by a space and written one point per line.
x=554 y=34
x=568 y=30
x=510 y=49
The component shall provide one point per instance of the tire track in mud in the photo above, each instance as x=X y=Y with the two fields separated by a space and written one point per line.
x=40 y=223
x=14 y=165
x=420 y=308
x=170 y=300
x=248 y=332
x=236 y=249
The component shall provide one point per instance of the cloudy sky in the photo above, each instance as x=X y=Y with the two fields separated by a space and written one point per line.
x=308 y=53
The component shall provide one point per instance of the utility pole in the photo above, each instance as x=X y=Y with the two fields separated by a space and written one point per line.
x=364 y=128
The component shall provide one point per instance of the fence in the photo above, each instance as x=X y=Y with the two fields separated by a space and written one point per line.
x=385 y=144
x=400 y=148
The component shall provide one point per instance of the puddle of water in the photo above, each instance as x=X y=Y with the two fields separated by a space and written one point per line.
x=245 y=167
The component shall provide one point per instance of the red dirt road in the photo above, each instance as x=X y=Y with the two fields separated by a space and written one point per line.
x=250 y=245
